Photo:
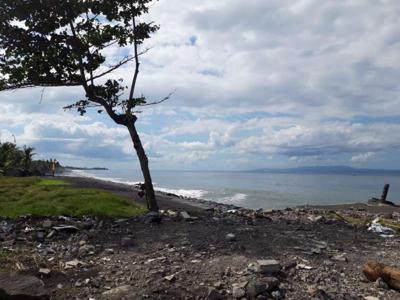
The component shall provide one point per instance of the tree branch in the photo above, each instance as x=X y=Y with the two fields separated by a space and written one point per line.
x=159 y=101
x=34 y=85
x=137 y=65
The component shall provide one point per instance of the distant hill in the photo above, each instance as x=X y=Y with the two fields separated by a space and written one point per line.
x=327 y=170
x=83 y=168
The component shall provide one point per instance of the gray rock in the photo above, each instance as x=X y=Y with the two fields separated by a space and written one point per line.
x=276 y=295
x=66 y=228
x=185 y=216
x=256 y=288
x=230 y=237
x=238 y=293
x=44 y=271
x=85 y=250
x=152 y=217
x=213 y=294
x=341 y=258
x=17 y=286
x=118 y=292
x=268 y=266
x=47 y=224
x=127 y=242
x=381 y=284
x=40 y=236
x=272 y=283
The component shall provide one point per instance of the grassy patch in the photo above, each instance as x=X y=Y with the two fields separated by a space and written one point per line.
x=52 y=182
x=38 y=197
x=351 y=220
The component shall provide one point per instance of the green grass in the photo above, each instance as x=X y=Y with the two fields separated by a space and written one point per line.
x=48 y=197
x=366 y=221
x=52 y=182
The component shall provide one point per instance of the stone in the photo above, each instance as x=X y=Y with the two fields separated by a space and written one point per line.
x=319 y=294
x=276 y=295
x=117 y=292
x=185 y=216
x=381 y=284
x=238 y=293
x=213 y=294
x=51 y=234
x=74 y=263
x=109 y=251
x=272 y=283
x=256 y=288
x=170 y=278
x=268 y=266
x=340 y=257
x=67 y=228
x=218 y=285
x=371 y=298
x=127 y=242
x=86 y=249
x=152 y=217
x=230 y=237
x=47 y=224
x=44 y=271
x=18 y=286
x=40 y=236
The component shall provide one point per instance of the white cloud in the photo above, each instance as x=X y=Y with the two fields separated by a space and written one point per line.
x=314 y=66
x=363 y=157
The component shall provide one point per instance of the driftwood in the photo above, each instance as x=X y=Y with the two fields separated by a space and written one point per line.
x=390 y=275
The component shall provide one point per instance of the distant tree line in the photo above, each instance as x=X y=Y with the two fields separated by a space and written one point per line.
x=17 y=161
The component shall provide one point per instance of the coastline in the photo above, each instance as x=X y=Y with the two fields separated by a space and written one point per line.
x=182 y=203
x=213 y=251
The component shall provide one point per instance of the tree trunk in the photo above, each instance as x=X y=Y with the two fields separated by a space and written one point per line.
x=144 y=165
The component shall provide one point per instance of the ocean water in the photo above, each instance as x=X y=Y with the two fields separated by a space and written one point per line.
x=262 y=190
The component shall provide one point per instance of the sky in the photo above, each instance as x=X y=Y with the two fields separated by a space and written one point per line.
x=260 y=83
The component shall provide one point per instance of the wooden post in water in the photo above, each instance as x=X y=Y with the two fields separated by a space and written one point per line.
x=384 y=193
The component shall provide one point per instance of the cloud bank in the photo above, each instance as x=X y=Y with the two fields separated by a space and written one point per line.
x=265 y=84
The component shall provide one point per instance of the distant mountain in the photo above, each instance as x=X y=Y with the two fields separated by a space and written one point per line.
x=327 y=170
x=83 y=168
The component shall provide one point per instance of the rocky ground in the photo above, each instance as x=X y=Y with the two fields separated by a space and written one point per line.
x=216 y=253
x=292 y=254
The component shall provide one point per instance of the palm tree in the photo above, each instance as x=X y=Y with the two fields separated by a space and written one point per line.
x=8 y=156
x=27 y=158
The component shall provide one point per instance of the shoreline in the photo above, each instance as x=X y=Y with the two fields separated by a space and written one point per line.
x=210 y=252
x=177 y=202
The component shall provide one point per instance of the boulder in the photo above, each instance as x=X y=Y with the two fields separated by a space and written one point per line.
x=268 y=266
x=14 y=286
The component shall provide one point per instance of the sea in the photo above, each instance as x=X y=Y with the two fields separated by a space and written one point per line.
x=261 y=190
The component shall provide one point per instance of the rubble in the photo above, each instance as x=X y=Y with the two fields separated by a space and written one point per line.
x=227 y=253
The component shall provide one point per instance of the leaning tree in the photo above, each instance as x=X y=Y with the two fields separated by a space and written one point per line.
x=53 y=43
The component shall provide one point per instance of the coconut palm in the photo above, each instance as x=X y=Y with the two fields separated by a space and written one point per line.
x=27 y=158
